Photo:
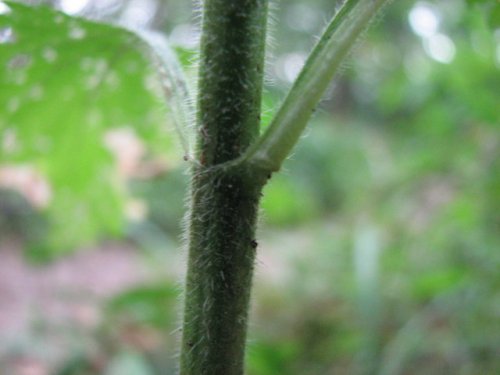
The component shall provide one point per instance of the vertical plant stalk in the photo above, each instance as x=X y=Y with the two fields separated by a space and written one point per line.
x=224 y=198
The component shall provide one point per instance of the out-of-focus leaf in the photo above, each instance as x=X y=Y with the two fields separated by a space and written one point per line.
x=471 y=2
x=266 y=359
x=285 y=203
x=494 y=16
x=78 y=365
x=17 y=216
x=64 y=83
x=438 y=282
x=149 y=304
x=174 y=86
x=128 y=363
x=491 y=9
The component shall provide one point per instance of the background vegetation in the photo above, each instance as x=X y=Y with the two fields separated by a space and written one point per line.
x=379 y=239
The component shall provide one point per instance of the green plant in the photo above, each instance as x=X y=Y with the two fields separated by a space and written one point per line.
x=234 y=166
x=231 y=161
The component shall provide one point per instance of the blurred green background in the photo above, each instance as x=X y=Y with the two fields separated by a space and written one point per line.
x=379 y=246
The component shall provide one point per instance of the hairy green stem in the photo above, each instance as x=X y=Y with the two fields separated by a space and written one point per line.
x=289 y=122
x=232 y=167
x=224 y=199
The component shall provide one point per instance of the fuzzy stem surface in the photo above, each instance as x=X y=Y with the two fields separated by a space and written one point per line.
x=224 y=199
x=288 y=124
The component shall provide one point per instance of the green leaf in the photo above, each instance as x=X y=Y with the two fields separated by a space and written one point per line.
x=472 y=2
x=174 y=85
x=494 y=16
x=65 y=83
x=147 y=304
x=491 y=8
x=128 y=363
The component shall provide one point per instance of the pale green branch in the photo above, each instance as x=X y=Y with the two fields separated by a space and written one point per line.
x=275 y=144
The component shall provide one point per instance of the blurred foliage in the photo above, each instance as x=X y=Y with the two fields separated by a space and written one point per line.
x=65 y=83
x=16 y=214
x=152 y=305
x=491 y=9
x=415 y=155
x=383 y=224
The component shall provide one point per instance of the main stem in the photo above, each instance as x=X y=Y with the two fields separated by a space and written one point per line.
x=224 y=198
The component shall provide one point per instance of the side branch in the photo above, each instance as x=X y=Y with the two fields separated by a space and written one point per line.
x=275 y=144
